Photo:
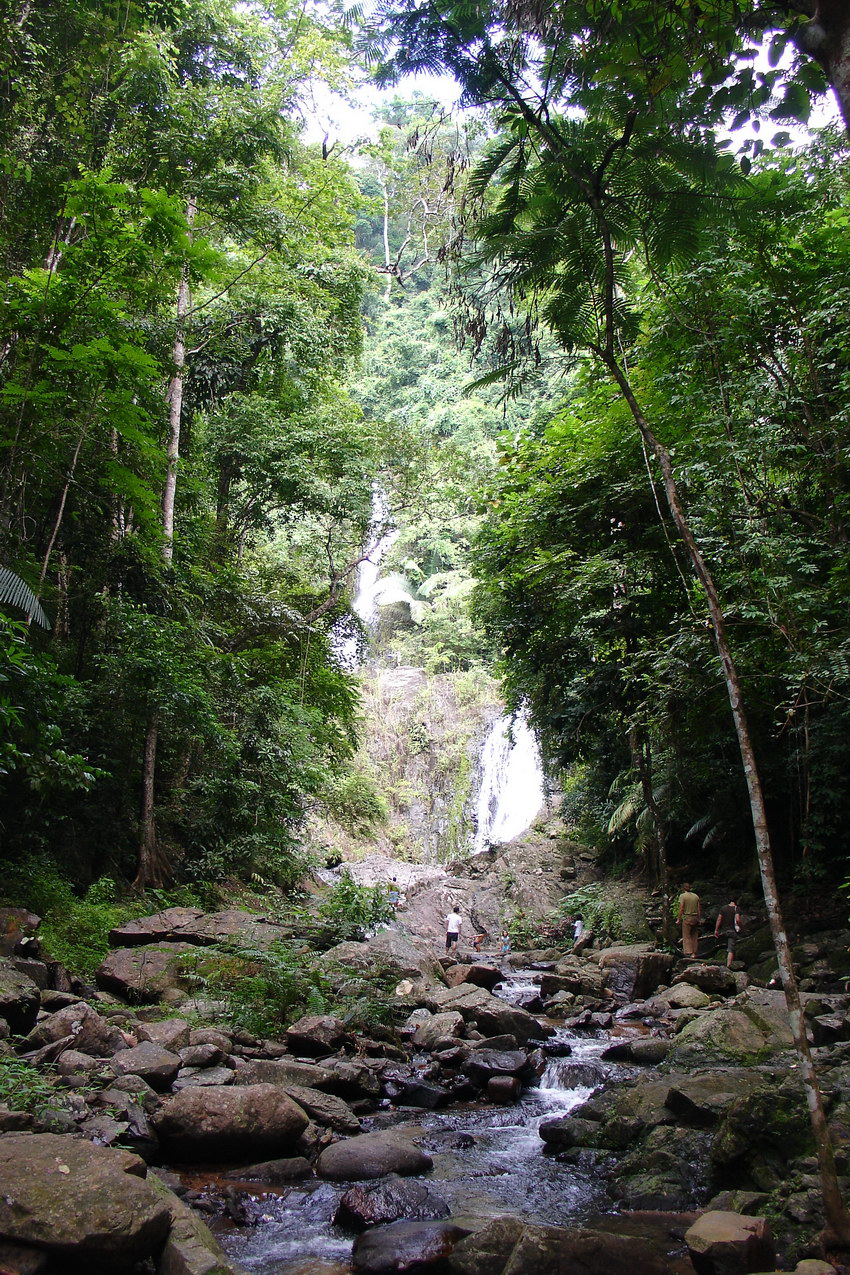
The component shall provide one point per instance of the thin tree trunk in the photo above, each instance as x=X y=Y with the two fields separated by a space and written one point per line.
x=149 y=868
x=175 y=400
x=60 y=512
x=837 y=1216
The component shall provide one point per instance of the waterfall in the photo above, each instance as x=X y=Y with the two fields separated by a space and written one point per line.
x=367 y=589
x=512 y=792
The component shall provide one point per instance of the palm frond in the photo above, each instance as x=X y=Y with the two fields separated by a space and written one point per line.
x=16 y=592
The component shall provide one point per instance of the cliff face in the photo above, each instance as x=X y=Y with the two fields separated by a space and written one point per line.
x=422 y=737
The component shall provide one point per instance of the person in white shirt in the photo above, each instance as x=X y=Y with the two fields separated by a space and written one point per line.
x=454 y=922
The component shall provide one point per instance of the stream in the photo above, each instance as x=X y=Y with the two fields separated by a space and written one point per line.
x=488 y=1160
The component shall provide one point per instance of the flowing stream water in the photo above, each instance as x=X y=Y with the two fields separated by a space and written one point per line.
x=488 y=1160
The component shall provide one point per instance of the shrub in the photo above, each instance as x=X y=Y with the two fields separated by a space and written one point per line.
x=352 y=910
x=25 y=1088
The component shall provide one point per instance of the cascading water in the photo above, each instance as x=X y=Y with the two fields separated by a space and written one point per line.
x=368 y=586
x=512 y=790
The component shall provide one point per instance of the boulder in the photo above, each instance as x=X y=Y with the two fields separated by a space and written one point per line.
x=19 y=999
x=272 y=1172
x=73 y=1063
x=190 y=925
x=682 y=996
x=702 y=1100
x=388 y=1201
x=635 y=971
x=486 y=976
x=352 y=1079
x=17 y=930
x=317 y=1035
x=229 y=1121
x=144 y=974
x=405 y=1246
x=285 y=1072
x=723 y=1032
x=91 y=1034
x=484 y=1063
x=325 y=1108
x=207 y=1036
x=436 y=1028
x=371 y=1155
x=390 y=951
x=172 y=1034
x=76 y=1200
x=201 y=1056
x=504 y=1090
x=207 y=1077
x=716 y=979
x=491 y=1016
x=506 y=1246
x=646 y=1051
x=722 y=1243
x=191 y=1248
x=155 y=1065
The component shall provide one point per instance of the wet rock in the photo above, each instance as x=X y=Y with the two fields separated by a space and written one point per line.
x=317 y=1035
x=352 y=1079
x=19 y=999
x=272 y=1172
x=664 y=1173
x=388 y=1201
x=170 y=1033
x=421 y=1093
x=646 y=1051
x=504 y=1090
x=635 y=971
x=405 y=1246
x=76 y=1200
x=760 y=1133
x=191 y=1248
x=703 y=1100
x=730 y=1244
x=432 y=1030
x=145 y=974
x=507 y=1246
x=155 y=1065
x=682 y=996
x=562 y=1132
x=228 y=1122
x=371 y=1155
x=724 y=1032
x=484 y=1063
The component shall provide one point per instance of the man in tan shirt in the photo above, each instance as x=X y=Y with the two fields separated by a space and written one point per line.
x=690 y=915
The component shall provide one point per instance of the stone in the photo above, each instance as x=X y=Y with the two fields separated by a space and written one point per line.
x=490 y=1015
x=722 y=1243
x=284 y=1071
x=404 y=1246
x=190 y=925
x=201 y=1056
x=145 y=974
x=479 y=975
x=388 y=1201
x=76 y=1200
x=72 y=1063
x=487 y=1250
x=169 y=1033
x=563 y=1132
x=682 y=996
x=391 y=952
x=272 y=1172
x=371 y=1155
x=19 y=999
x=702 y=1100
x=432 y=1030
x=504 y=1090
x=325 y=1108
x=317 y=1035
x=38 y=971
x=646 y=1051
x=204 y=1077
x=723 y=1032
x=715 y=979
x=484 y=1063
x=91 y=1033
x=506 y=1246
x=155 y=1065
x=191 y=1248
x=229 y=1122
x=18 y=927
x=352 y=1079
x=20 y=1259
x=635 y=971
x=210 y=1036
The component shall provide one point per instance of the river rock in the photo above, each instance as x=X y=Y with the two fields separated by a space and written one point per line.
x=325 y=1108
x=723 y=1032
x=486 y=976
x=272 y=1172
x=207 y=1036
x=504 y=1090
x=91 y=1034
x=155 y=1065
x=682 y=996
x=144 y=974
x=716 y=979
x=391 y=951
x=507 y=1246
x=172 y=1034
x=19 y=999
x=371 y=1155
x=205 y=1077
x=190 y=925
x=405 y=1246
x=436 y=1028
x=200 y=1056
x=702 y=1100
x=317 y=1035
x=229 y=1121
x=284 y=1071
x=73 y=1063
x=388 y=1201
x=730 y=1244
x=646 y=1051
x=490 y=1015
x=635 y=971
x=484 y=1063
x=18 y=927
x=76 y=1200
x=352 y=1079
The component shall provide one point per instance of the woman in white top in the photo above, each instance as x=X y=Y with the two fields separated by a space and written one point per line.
x=453 y=924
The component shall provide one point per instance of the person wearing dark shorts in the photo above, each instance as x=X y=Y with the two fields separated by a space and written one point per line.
x=726 y=926
x=453 y=924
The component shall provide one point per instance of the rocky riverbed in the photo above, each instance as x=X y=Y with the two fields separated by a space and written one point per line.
x=613 y=1109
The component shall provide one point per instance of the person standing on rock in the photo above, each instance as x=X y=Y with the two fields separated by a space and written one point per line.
x=726 y=926
x=690 y=915
x=454 y=921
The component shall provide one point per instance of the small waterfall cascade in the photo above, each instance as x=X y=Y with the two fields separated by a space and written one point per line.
x=512 y=790
x=368 y=586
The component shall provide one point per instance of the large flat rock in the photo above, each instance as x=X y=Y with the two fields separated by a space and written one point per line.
x=225 y=1122
x=190 y=925
x=144 y=974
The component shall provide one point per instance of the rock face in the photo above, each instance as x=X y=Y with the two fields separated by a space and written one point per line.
x=142 y=975
x=372 y=1155
x=219 y=1123
x=71 y=1198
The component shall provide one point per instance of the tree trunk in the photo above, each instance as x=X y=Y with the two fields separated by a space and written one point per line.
x=174 y=399
x=149 y=870
x=837 y=1216
x=827 y=39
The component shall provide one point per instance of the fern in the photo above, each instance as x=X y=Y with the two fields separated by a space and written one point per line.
x=16 y=592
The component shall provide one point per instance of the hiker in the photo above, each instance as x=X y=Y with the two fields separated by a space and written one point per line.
x=726 y=927
x=454 y=921
x=689 y=916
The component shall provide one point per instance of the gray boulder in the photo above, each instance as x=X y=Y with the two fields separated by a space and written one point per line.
x=190 y=925
x=155 y=1065
x=325 y=1108
x=491 y=1016
x=436 y=1028
x=635 y=971
x=172 y=1034
x=372 y=1155
x=730 y=1244
x=507 y=1246
x=76 y=1200
x=317 y=1035
x=284 y=1071
x=145 y=974
x=405 y=1246
x=91 y=1034
x=229 y=1122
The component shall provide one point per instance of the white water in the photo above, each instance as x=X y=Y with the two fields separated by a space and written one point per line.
x=512 y=791
x=368 y=586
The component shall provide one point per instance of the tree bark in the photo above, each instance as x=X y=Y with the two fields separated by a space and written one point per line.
x=149 y=868
x=837 y=1216
x=174 y=399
